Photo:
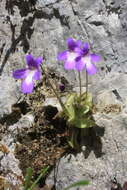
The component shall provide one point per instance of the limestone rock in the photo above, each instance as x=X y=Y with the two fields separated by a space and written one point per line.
x=41 y=27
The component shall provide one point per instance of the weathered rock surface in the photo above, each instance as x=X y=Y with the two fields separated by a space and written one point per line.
x=41 y=27
x=9 y=165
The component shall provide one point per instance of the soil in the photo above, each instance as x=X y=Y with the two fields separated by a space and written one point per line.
x=46 y=141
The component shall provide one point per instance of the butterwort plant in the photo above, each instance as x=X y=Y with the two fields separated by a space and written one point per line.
x=79 y=116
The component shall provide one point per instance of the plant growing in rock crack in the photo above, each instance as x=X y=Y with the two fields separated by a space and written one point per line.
x=78 y=108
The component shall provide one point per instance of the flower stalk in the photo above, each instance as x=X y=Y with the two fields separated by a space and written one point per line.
x=80 y=85
x=86 y=83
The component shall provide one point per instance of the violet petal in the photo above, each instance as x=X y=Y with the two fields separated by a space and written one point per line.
x=70 y=61
x=80 y=65
x=27 y=86
x=71 y=44
x=38 y=60
x=30 y=60
x=62 y=56
x=37 y=75
x=95 y=58
x=91 y=68
x=78 y=43
x=77 y=59
x=20 y=73
x=85 y=48
x=69 y=65
x=27 y=83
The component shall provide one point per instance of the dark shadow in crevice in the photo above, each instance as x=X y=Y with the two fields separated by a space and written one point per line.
x=64 y=20
x=113 y=9
x=2 y=49
x=25 y=34
x=90 y=138
x=92 y=141
x=17 y=111
x=116 y=93
x=25 y=6
x=26 y=30
x=57 y=130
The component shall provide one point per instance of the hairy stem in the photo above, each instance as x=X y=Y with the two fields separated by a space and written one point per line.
x=80 y=84
x=86 y=83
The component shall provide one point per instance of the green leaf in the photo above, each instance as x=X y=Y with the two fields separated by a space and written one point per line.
x=77 y=184
x=84 y=123
x=28 y=177
x=79 y=112
x=85 y=109
x=42 y=174
x=71 y=143
x=70 y=106
x=87 y=100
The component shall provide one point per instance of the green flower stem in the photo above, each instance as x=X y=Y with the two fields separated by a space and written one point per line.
x=86 y=83
x=55 y=92
x=80 y=85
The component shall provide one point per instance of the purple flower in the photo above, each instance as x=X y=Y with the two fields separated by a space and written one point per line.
x=29 y=74
x=70 y=55
x=78 y=57
x=86 y=60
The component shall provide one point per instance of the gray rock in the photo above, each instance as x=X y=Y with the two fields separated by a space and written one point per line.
x=9 y=94
x=42 y=30
x=9 y=165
